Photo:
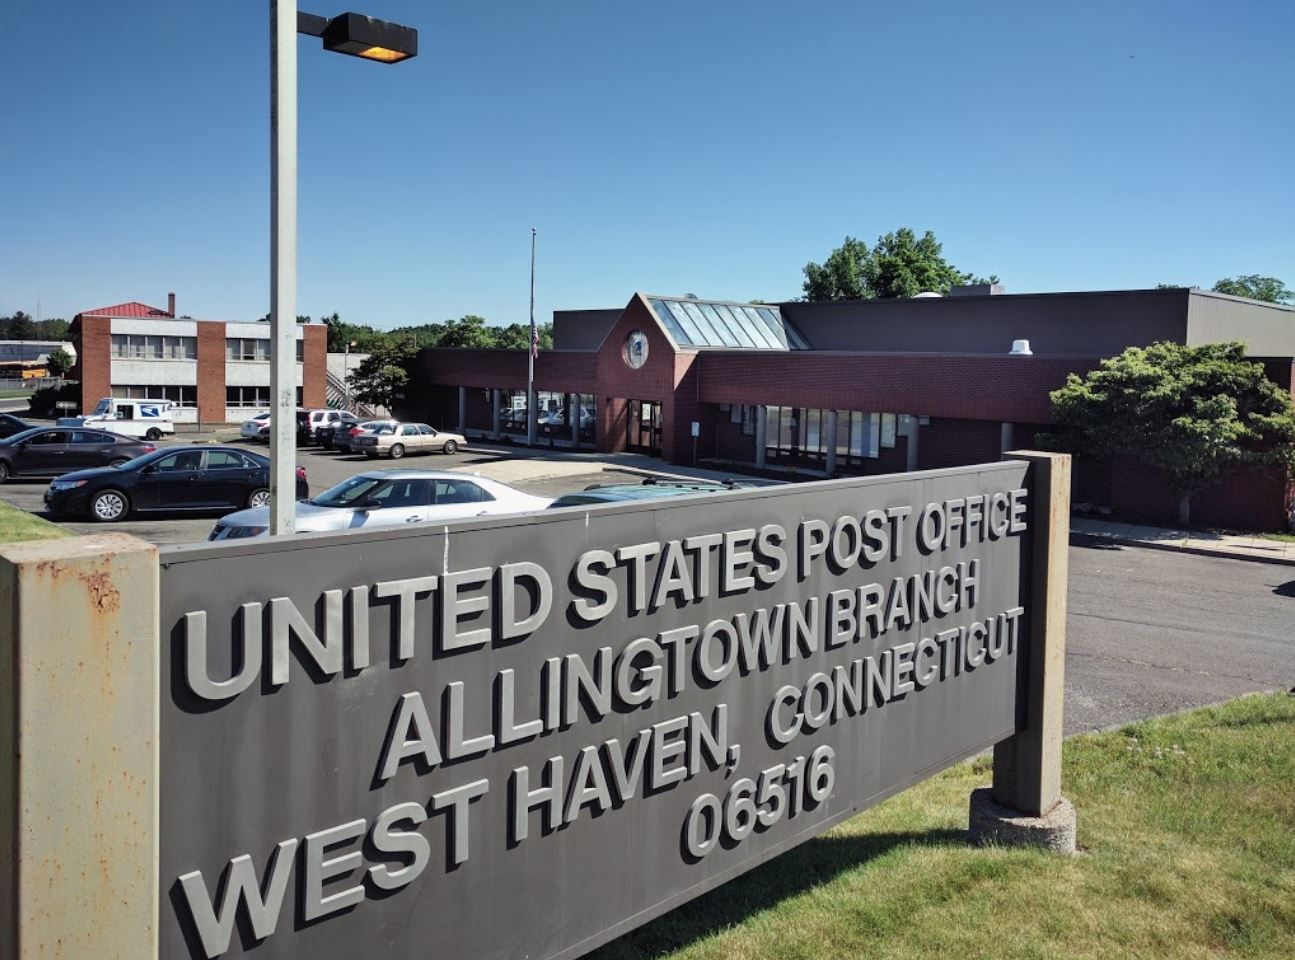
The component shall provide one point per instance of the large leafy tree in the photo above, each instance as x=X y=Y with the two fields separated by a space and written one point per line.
x=1194 y=412
x=381 y=377
x=1256 y=288
x=900 y=264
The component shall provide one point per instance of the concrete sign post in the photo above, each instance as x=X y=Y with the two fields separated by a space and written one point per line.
x=524 y=736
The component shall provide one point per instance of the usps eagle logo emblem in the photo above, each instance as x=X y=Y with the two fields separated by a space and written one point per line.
x=635 y=351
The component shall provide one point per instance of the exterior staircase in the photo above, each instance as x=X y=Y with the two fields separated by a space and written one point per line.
x=335 y=395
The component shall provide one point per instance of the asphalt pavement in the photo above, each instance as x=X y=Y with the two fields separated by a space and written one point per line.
x=1151 y=632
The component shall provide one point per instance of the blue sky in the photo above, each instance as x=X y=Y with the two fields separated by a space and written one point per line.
x=673 y=147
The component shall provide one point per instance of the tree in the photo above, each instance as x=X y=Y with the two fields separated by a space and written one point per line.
x=900 y=264
x=381 y=377
x=1193 y=412
x=20 y=326
x=842 y=276
x=1269 y=289
x=60 y=362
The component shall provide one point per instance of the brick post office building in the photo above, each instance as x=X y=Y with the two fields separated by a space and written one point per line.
x=215 y=371
x=856 y=387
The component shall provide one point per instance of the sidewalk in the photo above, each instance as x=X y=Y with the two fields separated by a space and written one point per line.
x=1231 y=546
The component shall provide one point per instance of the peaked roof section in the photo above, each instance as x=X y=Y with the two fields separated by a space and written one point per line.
x=131 y=309
x=719 y=324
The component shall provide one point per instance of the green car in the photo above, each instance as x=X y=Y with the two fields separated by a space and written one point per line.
x=653 y=488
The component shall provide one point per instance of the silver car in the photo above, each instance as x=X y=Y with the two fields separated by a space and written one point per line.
x=383 y=498
x=398 y=439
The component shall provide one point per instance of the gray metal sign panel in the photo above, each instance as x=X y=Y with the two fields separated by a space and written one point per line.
x=521 y=737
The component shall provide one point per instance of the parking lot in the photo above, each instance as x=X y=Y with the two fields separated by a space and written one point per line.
x=539 y=473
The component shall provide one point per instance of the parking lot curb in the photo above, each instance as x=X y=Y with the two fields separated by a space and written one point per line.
x=1176 y=547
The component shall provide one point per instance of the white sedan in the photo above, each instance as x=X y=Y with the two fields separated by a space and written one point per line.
x=384 y=498
x=251 y=429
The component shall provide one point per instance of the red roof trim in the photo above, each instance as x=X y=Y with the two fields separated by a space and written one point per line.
x=131 y=309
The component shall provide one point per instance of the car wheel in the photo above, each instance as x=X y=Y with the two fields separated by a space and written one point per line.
x=4 y=471
x=153 y=434
x=451 y=446
x=260 y=497
x=108 y=506
x=397 y=451
x=120 y=461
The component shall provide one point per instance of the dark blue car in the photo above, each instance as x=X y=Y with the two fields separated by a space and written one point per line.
x=203 y=478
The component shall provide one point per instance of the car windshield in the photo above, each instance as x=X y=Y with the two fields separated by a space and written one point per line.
x=349 y=493
x=103 y=406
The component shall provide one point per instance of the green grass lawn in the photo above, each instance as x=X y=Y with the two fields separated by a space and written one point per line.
x=1187 y=830
x=16 y=525
x=1283 y=537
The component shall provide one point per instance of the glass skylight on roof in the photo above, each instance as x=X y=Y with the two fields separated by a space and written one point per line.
x=711 y=323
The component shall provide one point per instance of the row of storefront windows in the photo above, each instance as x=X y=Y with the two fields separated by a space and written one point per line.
x=179 y=394
x=801 y=434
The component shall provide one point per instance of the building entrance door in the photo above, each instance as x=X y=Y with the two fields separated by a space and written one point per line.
x=644 y=427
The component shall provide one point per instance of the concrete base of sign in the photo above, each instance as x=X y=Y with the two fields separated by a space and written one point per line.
x=992 y=823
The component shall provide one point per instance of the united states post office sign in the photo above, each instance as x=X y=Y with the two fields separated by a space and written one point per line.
x=521 y=737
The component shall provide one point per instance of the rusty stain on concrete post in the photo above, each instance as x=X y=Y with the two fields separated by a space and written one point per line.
x=79 y=687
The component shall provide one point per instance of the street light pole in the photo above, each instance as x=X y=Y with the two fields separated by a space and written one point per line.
x=283 y=266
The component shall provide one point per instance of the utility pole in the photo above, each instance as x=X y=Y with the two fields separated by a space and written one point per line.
x=532 y=414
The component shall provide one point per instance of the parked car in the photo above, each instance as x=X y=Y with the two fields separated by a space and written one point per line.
x=379 y=498
x=324 y=418
x=344 y=440
x=251 y=429
x=303 y=428
x=53 y=451
x=397 y=439
x=9 y=425
x=194 y=479
x=326 y=433
x=652 y=488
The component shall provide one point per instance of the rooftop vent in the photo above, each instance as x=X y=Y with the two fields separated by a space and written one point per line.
x=1021 y=348
x=929 y=295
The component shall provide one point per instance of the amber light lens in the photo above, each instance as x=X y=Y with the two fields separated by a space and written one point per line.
x=383 y=54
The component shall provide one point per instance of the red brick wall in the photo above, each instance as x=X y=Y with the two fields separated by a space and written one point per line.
x=93 y=343
x=314 y=366
x=656 y=380
x=211 y=372
x=967 y=387
x=954 y=443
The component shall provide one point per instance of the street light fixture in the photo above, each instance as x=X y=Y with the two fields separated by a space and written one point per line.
x=357 y=36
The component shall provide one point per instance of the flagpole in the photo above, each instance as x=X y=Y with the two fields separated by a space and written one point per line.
x=532 y=414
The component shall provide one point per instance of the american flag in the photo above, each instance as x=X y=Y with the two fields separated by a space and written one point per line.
x=535 y=341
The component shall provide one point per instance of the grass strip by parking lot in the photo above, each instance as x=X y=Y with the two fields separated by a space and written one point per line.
x=17 y=525
x=1187 y=830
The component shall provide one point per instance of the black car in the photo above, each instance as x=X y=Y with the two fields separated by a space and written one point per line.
x=54 y=451
x=9 y=425
x=326 y=433
x=204 y=478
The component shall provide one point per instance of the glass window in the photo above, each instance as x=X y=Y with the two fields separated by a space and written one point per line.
x=89 y=436
x=728 y=327
x=458 y=491
x=772 y=326
x=748 y=420
x=49 y=437
x=409 y=430
x=425 y=431
x=708 y=329
x=887 y=429
x=301 y=350
x=690 y=329
x=403 y=493
x=179 y=462
x=671 y=324
x=742 y=325
x=736 y=413
x=759 y=329
x=227 y=460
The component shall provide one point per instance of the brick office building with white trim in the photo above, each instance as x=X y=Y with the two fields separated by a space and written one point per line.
x=214 y=371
